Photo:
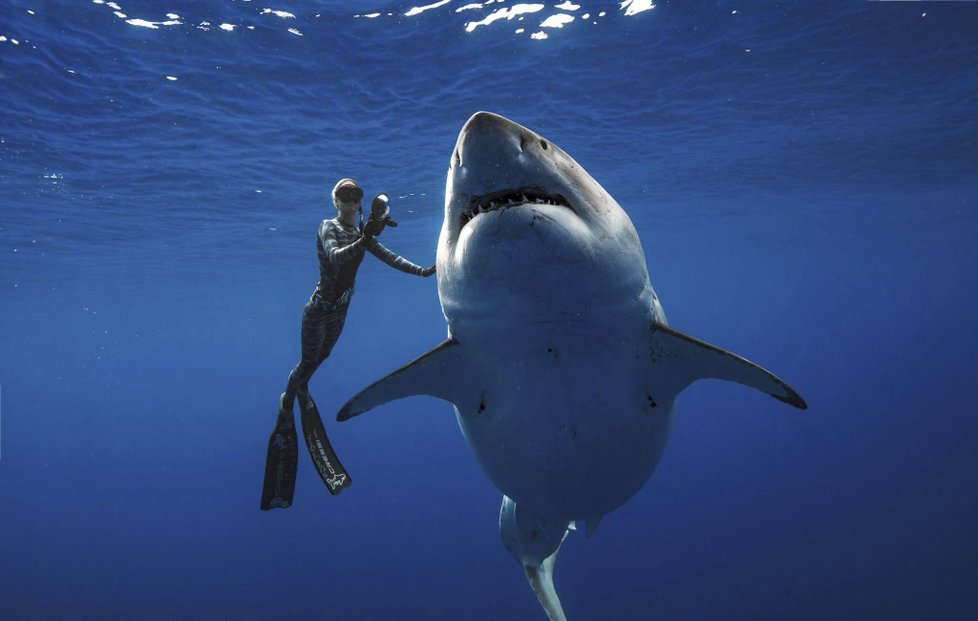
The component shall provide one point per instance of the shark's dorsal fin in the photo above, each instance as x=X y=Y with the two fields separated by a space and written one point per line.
x=591 y=525
x=430 y=374
x=689 y=359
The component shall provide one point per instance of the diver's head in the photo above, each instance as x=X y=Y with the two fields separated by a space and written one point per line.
x=346 y=197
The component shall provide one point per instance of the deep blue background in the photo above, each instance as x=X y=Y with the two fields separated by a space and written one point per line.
x=803 y=177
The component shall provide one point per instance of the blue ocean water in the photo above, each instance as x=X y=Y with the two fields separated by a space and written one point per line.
x=803 y=177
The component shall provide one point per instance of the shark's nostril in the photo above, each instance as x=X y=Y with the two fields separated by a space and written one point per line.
x=458 y=158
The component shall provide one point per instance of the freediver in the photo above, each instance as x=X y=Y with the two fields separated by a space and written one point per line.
x=340 y=245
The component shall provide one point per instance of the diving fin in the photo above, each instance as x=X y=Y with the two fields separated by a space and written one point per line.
x=328 y=465
x=280 y=464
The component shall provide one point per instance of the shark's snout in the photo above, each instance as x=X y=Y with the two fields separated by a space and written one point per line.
x=486 y=135
x=494 y=155
x=488 y=123
x=500 y=167
x=497 y=165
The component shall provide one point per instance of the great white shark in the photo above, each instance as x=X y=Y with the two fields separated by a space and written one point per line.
x=559 y=360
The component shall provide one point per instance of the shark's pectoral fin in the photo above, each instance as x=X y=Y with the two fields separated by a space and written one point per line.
x=689 y=359
x=534 y=542
x=432 y=374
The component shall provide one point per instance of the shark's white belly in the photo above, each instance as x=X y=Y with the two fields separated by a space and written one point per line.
x=565 y=424
x=560 y=418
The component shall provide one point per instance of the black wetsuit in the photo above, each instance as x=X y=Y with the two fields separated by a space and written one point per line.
x=340 y=253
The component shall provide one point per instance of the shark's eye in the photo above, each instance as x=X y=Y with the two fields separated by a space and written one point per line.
x=543 y=143
x=458 y=159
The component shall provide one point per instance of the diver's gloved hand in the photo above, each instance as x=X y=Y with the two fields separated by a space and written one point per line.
x=380 y=216
x=428 y=271
x=372 y=228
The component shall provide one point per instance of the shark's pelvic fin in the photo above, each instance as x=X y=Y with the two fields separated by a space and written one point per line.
x=430 y=374
x=689 y=359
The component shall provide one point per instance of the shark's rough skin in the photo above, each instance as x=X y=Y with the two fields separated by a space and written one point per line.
x=560 y=363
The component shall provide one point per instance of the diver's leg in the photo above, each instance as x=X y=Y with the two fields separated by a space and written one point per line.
x=281 y=459
x=332 y=327
x=315 y=323
x=328 y=465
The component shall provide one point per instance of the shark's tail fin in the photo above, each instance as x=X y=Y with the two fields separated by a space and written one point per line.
x=534 y=542
x=541 y=579
x=698 y=359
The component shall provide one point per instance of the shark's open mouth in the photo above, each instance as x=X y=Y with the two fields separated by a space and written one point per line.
x=503 y=199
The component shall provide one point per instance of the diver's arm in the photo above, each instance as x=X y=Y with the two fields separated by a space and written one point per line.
x=395 y=260
x=331 y=246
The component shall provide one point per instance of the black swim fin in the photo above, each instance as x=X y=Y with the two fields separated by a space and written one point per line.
x=328 y=465
x=281 y=462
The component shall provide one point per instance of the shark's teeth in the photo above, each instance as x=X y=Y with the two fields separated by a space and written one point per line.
x=504 y=199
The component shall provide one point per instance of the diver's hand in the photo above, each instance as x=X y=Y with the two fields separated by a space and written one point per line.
x=373 y=228
x=428 y=271
x=365 y=235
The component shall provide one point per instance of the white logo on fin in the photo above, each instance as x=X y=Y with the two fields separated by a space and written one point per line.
x=336 y=481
